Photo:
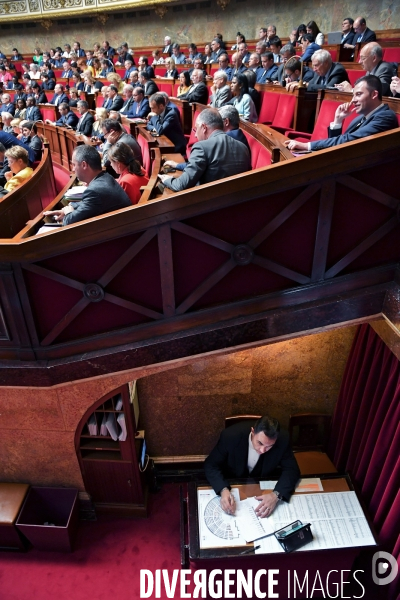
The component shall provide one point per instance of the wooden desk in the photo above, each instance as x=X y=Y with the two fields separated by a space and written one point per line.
x=304 y=563
x=314 y=463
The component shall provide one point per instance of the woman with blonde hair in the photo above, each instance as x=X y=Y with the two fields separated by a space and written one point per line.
x=131 y=175
x=100 y=114
x=17 y=158
x=116 y=80
x=171 y=72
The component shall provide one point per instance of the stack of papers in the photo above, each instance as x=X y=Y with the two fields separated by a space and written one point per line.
x=92 y=425
x=75 y=193
x=112 y=426
x=121 y=421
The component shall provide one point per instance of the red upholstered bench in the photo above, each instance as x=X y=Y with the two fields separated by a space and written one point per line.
x=260 y=157
x=325 y=117
x=12 y=496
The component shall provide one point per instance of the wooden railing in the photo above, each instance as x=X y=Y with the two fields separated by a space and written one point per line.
x=29 y=199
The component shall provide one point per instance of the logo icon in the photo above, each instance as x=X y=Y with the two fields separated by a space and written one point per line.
x=384 y=568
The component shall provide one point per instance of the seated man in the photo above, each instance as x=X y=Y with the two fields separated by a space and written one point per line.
x=67 y=119
x=231 y=120
x=166 y=122
x=293 y=70
x=243 y=451
x=309 y=47
x=31 y=138
x=102 y=194
x=144 y=66
x=287 y=52
x=67 y=71
x=59 y=95
x=363 y=35
x=114 y=100
x=221 y=91
x=129 y=67
x=215 y=155
x=114 y=132
x=149 y=86
x=268 y=70
x=140 y=107
x=32 y=111
x=375 y=117
x=326 y=72
x=177 y=55
x=371 y=60
x=86 y=120
x=198 y=91
x=6 y=104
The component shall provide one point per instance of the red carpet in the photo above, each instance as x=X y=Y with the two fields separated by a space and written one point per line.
x=107 y=559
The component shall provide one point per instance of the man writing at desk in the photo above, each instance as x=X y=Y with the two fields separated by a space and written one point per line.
x=244 y=451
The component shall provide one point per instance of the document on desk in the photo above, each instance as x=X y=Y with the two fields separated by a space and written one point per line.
x=337 y=521
x=250 y=526
x=217 y=529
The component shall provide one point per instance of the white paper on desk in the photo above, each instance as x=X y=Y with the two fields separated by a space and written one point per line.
x=267 y=485
x=76 y=191
x=216 y=528
x=250 y=526
x=337 y=521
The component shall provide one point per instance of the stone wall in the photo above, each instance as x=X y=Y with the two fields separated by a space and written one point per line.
x=197 y=25
x=183 y=404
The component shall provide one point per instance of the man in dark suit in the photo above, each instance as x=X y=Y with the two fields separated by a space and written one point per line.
x=129 y=100
x=140 y=107
x=67 y=71
x=114 y=101
x=268 y=69
x=144 y=66
x=166 y=122
x=47 y=83
x=114 y=132
x=215 y=155
x=221 y=91
x=108 y=50
x=6 y=104
x=67 y=118
x=198 y=91
x=231 y=120
x=167 y=45
x=32 y=111
x=243 y=451
x=129 y=67
x=363 y=34
x=59 y=95
x=102 y=194
x=85 y=123
x=216 y=50
x=371 y=60
x=309 y=47
x=375 y=117
x=326 y=72
x=149 y=86
x=348 y=32
x=223 y=62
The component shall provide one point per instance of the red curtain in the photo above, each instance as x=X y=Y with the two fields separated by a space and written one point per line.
x=365 y=437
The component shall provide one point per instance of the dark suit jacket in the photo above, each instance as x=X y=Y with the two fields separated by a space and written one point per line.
x=139 y=111
x=382 y=119
x=228 y=460
x=8 y=108
x=70 y=119
x=63 y=98
x=33 y=114
x=309 y=52
x=215 y=158
x=41 y=99
x=350 y=39
x=266 y=74
x=48 y=85
x=35 y=143
x=172 y=74
x=150 y=88
x=85 y=125
x=369 y=36
x=198 y=94
x=385 y=71
x=8 y=140
x=337 y=74
x=169 y=125
x=238 y=135
x=102 y=195
x=117 y=103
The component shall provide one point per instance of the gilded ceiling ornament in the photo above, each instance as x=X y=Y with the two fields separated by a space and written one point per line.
x=46 y=23
x=102 y=19
x=161 y=11
x=12 y=7
x=33 y=5
x=223 y=3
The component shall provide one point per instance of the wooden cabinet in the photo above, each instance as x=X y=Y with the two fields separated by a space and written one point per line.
x=108 y=446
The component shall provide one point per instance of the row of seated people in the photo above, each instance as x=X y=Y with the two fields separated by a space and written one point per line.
x=217 y=154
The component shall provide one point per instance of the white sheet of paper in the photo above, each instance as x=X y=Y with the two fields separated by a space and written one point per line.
x=217 y=529
x=267 y=485
x=250 y=526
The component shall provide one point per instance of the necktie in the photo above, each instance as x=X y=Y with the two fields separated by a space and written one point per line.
x=359 y=123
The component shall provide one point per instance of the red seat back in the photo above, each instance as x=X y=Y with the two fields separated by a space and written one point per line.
x=192 y=137
x=260 y=157
x=285 y=111
x=354 y=75
x=269 y=104
x=391 y=54
x=333 y=54
x=144 y=146
x=325 y=116
x=165 y=87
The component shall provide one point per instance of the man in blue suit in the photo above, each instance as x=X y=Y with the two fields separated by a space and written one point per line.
x=166 y=122
x=375 y=117
x=59 y=95
x=268 y=70
x=140 y=107
x=6 y=104
x=67 y=118
x=32 y=111
x=309 y=47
